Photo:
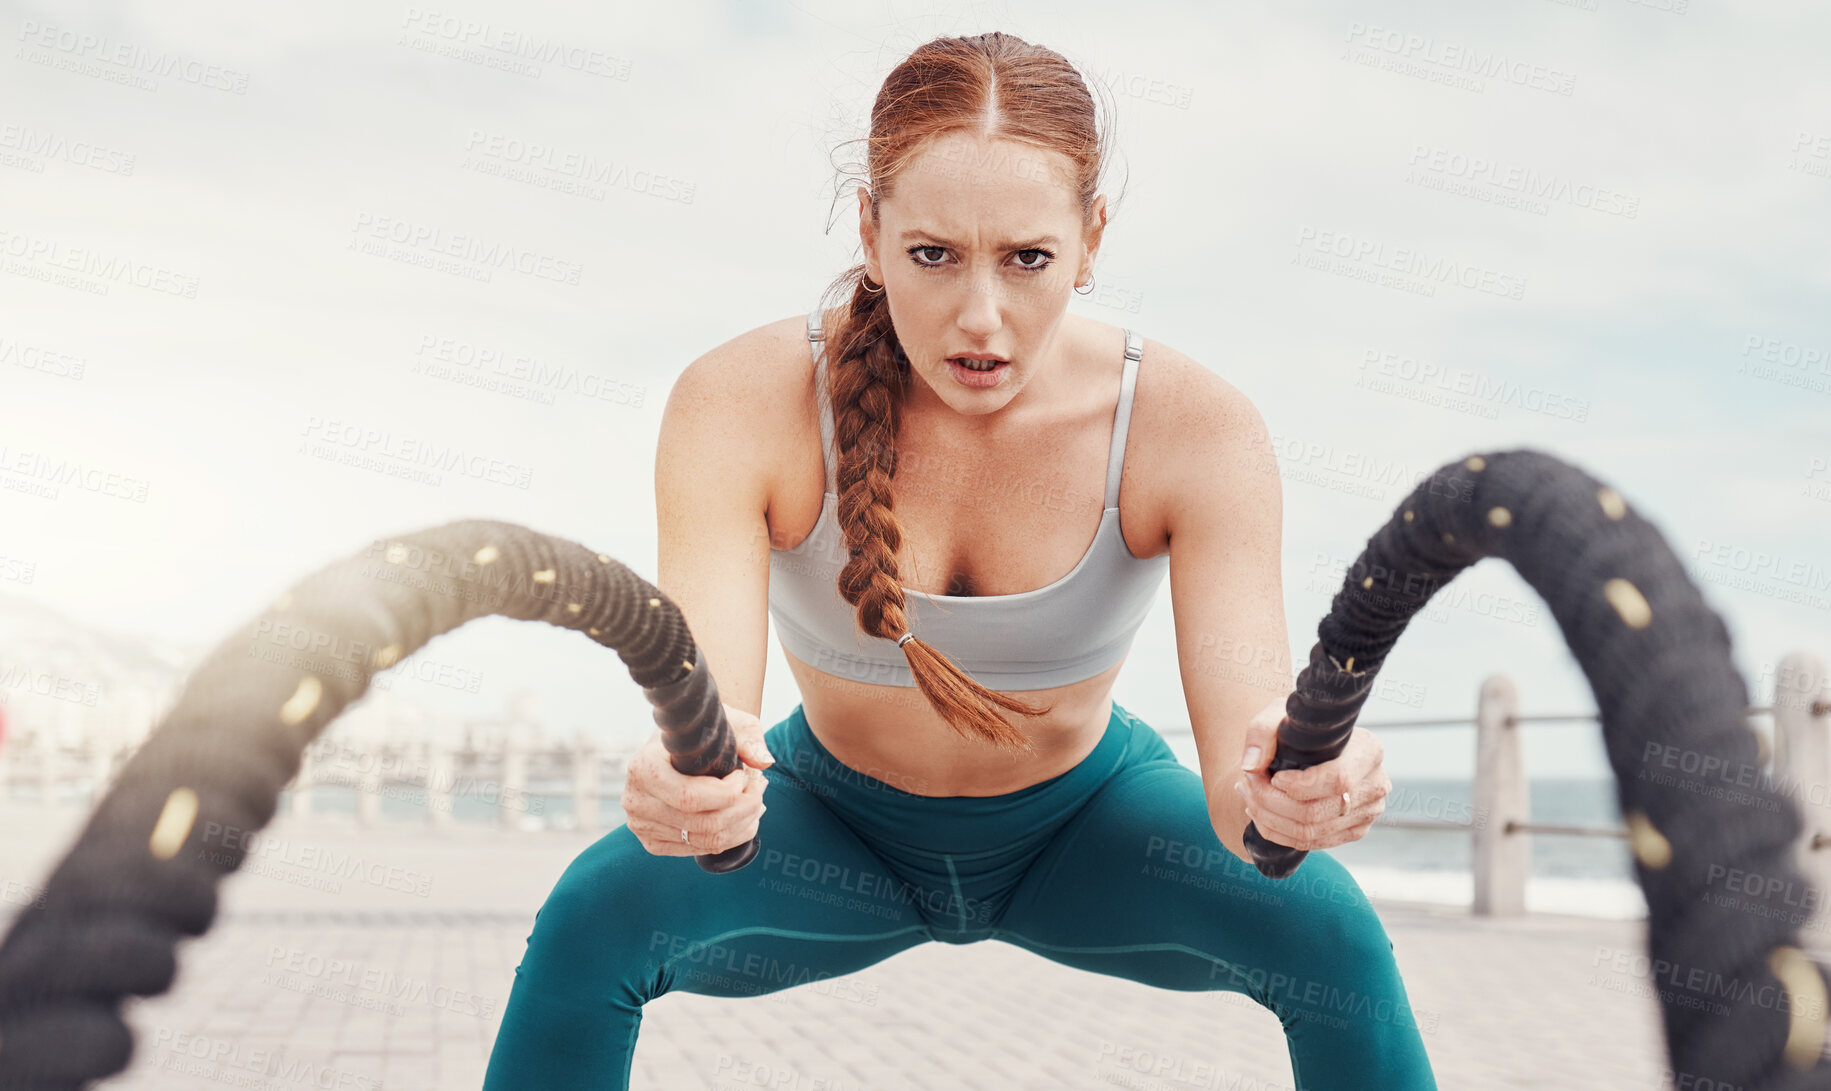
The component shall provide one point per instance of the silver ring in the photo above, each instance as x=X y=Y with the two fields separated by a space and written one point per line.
x=683 y=836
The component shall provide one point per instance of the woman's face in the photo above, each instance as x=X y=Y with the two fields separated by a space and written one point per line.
x=977 y=248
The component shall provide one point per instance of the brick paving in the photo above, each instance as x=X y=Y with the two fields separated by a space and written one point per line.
x=381 y=986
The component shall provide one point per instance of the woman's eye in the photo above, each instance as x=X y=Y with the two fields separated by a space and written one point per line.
x=940 y=254
x=1041 y=259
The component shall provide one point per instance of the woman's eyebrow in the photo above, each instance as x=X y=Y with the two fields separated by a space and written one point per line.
x=1025 y=244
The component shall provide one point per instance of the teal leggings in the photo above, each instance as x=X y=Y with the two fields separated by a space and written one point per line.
x=1112 y=867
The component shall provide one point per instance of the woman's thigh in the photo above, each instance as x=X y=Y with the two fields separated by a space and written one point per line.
x=1139 y=886
x=623 y=926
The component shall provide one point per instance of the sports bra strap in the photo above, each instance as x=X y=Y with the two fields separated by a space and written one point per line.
x=815 y=337
x=1122 y=414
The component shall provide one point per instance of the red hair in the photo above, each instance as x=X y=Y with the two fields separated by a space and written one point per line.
x=1002 y=87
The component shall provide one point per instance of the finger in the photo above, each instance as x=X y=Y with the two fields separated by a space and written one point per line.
x=660 y=840
x=698 y=794
x=742 y=804
x=749 y=734
x=1261 y=743
x=1326 y=781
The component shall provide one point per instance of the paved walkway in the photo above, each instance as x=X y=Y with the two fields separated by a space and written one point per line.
x=298 y=973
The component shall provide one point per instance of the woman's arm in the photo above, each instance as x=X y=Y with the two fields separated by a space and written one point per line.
x=1225 y=519
x=712 y=462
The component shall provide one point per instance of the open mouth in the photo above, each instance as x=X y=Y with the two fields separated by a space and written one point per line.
x=979 y=365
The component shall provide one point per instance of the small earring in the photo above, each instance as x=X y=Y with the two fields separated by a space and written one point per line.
x=866 y=283
x=1090 y=287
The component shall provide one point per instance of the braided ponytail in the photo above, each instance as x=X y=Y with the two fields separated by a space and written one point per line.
x=991 y=84
x=867 y=375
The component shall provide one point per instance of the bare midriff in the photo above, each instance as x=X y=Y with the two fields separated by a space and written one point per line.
x=954 y=546
x=892 y=733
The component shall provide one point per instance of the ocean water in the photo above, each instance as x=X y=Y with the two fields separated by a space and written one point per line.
x=1591 y=876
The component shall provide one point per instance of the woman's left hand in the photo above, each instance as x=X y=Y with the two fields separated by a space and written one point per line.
x=1305 y=808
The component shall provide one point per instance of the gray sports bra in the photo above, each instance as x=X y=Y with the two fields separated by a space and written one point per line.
x=1068 y=631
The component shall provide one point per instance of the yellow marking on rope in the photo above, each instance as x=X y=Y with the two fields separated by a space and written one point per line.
x=174 y=824
x=387 y=657
x=1500 y=517
x=1628 y=602
x=545 y=575
x=485 y=555
x=397 y=553
x=573 y=607
x=654 y=602
x=1408 y=516
x=1650 y=846
x=1350 y=665
x=1613 y=505
x=602 y=559
x=1476 y=463
x=302 y=702
x=688 y=665
x=1367 y=582
x=591 y=632
x=1805 y=986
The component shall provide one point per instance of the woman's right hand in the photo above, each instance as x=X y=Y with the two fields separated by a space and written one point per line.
x=717 y=813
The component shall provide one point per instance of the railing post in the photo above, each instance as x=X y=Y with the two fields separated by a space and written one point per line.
x=1500 y=860
x=299 y=802
x=513 y=800
x=368 y=785
x=584 y=784
x=48 y=766
x=1802 y=756
x=441 y=766
x=101 y=765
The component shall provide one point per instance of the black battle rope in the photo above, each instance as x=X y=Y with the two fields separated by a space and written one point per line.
x=144 y=870
x=1743 y=1006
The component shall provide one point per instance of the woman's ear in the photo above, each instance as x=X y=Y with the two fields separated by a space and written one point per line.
x=1090 y=239
x=867 y=237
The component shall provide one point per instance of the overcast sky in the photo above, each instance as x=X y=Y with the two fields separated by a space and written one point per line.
x=1636 y=201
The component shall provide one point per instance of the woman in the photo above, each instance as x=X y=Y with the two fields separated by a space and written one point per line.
x=908 y=807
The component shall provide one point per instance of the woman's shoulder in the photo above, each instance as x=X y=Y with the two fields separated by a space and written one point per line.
x=1187 y=422
x=771 y=364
